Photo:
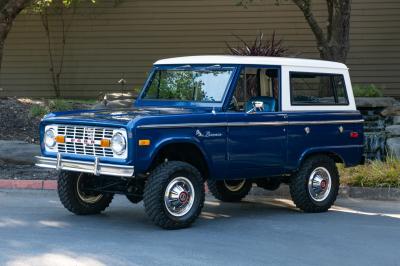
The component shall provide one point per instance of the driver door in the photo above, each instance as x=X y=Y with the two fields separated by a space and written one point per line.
x=257 y=139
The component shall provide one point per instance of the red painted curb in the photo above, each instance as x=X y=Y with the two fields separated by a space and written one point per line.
x=28 y=184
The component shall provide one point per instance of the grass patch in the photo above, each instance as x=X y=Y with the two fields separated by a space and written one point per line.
x=38 y=111
x=82 y=101
x=373 y=174
x=367 y=91
x=59 y=105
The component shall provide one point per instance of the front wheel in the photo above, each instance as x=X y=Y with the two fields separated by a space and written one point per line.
x=229 y=190
x=174 y=195
x=75 y=194
x=315 y=187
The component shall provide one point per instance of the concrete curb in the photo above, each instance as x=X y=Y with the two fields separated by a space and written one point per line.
x=384 y=194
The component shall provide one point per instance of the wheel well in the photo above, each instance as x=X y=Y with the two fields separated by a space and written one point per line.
x=185 y=152
x=332 y=155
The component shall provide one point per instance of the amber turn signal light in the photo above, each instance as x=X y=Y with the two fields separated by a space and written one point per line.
x=144 y=142
x=105 y=143
x=60 y=139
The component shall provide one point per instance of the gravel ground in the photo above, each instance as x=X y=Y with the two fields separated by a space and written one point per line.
x=25 y=172
x=16 y=122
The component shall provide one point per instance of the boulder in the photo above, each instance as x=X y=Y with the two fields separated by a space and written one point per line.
x=396 y=120
x=391 y=111
x=393 y=130
x=100 y=105
x=120 y=96
x=119 y=104
x=374 y=102
x=393 y=146
x=116 y=104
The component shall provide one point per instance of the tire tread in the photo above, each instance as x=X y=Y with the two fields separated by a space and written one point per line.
x=153 y=194
x=66 y=193
x=299 y=191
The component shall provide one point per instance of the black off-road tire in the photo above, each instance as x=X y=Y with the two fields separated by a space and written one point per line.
x=299 y=185
x=154 y=191
x=221 y=192
x=68 y=194
x=134 y=199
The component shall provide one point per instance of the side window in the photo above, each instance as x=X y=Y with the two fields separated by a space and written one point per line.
x=317 y=89
x=256 y=85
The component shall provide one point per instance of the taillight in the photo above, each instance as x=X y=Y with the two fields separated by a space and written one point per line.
x=354 y=135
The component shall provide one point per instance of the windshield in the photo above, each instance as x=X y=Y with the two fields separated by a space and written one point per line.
x=199 y=85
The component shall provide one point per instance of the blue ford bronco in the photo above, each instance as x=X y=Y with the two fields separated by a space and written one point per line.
x=230 y=121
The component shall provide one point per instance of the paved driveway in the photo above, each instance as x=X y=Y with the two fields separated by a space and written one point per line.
x=36 y=230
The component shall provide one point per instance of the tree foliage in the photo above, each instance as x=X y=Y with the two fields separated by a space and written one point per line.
x=9 y=10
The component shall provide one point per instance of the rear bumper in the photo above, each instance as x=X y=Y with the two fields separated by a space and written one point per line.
x=94 y=167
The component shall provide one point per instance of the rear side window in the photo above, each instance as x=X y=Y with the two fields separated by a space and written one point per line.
x=317 y=89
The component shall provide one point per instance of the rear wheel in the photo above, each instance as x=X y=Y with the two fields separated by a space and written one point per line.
x=174 y=195
x=315 y=187
x=229 y=190
x=75 y=194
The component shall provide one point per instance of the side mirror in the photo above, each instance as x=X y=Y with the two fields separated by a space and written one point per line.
x=258 y=106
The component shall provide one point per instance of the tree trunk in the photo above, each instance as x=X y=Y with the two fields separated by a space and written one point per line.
x=333 y=44
x=9 y=11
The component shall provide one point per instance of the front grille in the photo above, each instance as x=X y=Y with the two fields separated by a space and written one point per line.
x=84 y=133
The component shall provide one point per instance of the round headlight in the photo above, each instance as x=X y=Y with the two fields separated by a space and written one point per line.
x=118 y=143
x=49 y=138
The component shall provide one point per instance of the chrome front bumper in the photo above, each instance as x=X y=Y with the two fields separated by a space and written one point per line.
x=95 y=167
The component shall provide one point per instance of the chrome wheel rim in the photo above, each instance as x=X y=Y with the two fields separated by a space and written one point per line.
x=90 y=199
x=234 y=185
x=319 y=184
x=179 y=196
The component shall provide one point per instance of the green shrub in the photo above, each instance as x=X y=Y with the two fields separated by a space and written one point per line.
x=38 y=111
x=59 y=105
x=56 y=105
x=367 y=91
x=373 y=174
x=82 y=101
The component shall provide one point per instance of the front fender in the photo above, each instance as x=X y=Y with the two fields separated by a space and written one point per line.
x=146 y=156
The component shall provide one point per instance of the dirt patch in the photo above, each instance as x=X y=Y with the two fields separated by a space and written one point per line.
x=16 y=122
x=25 y=172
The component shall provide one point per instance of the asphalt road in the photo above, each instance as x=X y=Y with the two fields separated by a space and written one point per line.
x=36 y=230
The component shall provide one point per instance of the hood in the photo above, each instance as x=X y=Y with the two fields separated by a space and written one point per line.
x=116 y=116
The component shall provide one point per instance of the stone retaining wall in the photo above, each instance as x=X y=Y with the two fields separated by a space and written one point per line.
x=382 y=126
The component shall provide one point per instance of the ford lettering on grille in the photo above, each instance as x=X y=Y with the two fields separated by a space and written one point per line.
x=85 y=140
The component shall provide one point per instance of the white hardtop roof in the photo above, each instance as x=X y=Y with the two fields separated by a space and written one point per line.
x=249 y=60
